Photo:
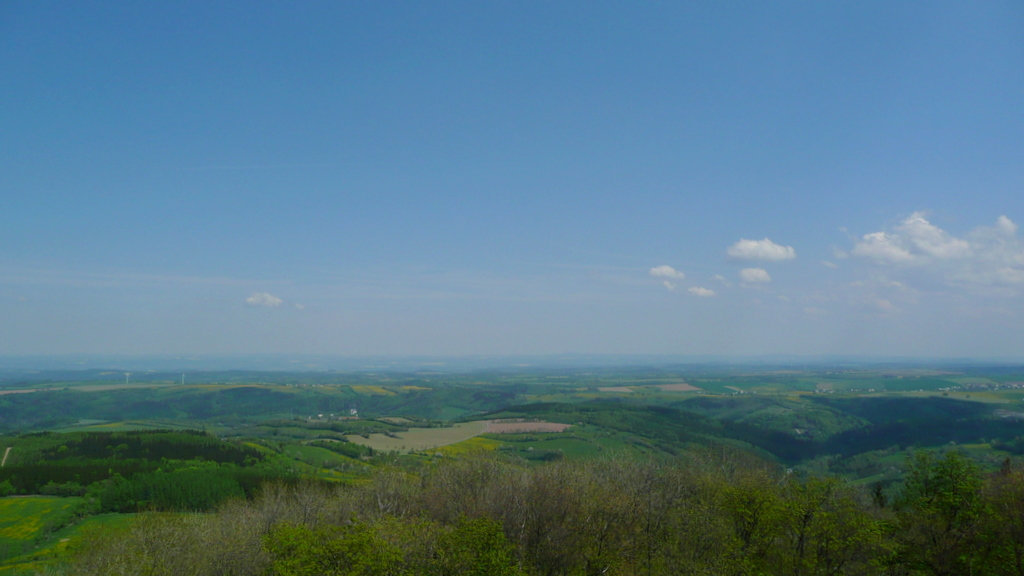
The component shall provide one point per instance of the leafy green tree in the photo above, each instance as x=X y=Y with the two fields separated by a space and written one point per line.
x=475 y=547
x=551 y=504
x=298 y=550
x=939 y=515
x=826 y=528
x=751 y=504
x=1004 y=524
x=356 y=550
x=696 y=532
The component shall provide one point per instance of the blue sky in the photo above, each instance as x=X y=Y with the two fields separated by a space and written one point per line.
x=463 y=178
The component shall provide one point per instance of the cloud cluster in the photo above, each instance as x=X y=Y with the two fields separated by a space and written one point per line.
x=264 y=300
x=761 y=250
x=914 y=241
x=908 y=264
x=989 y=255
x=668 y=275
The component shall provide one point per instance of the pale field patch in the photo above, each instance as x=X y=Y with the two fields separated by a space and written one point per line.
x=419 y=439
x=679 y=387
x=616 y=389
x=523 y=426
x=395 y=420
x=416 y=439
x=372 y=390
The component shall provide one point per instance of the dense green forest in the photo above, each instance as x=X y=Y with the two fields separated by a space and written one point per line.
x=710 y=514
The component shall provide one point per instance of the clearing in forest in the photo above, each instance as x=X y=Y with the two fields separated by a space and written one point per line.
x=416 y=439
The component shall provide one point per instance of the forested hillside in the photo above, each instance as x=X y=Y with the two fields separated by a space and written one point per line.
x=597 y=471
x=722 y=514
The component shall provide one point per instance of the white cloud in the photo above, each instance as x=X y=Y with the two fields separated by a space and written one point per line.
x=764 y=250
x=828 y=264
x=701 y=291
x=666 y=271
x=1006 y=226
x=988 y=255
x=667 y=274
x=931 y=239
x=755 y=276
x=264 y=300
x=914 y=241
x=883 y=247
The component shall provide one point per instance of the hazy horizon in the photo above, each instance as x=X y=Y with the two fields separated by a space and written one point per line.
x=460 y=179
x=332 y=363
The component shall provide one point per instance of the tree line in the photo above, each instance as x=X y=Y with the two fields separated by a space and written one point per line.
x=136 y=470
x=721 y=514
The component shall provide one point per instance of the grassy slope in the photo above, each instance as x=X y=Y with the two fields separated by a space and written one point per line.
x=30 y=530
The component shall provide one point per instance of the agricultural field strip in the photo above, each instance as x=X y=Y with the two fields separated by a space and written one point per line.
x=420 y=438
x=634 y=386
x=428 y=438
x=679 y=387
x=522 y=426
x=87 y=388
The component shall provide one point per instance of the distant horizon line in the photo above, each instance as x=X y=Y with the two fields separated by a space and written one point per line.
x=320 y=361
